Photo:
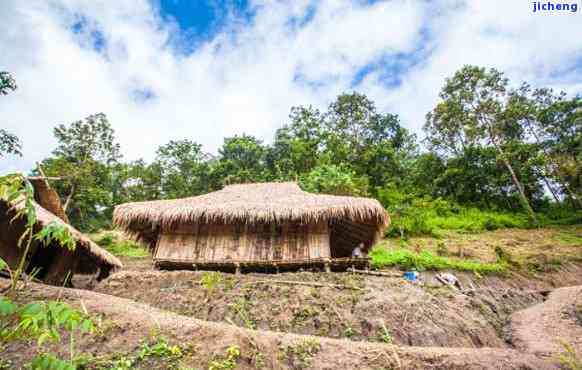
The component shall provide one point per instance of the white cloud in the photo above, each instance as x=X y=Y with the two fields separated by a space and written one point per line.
x=250 y=73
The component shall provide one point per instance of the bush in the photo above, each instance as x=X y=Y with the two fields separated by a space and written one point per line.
x=331 y=179
x=120 y=247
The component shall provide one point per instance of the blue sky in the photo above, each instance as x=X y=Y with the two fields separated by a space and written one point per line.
x=203 y=70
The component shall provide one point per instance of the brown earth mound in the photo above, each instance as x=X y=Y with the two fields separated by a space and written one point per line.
x=545 y=329
x=126 y=323
x=382 y=309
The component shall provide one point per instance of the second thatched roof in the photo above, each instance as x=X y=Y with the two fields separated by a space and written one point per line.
x=94 y=257
x=249 y=203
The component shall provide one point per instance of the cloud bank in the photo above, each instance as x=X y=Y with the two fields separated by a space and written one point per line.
x=156 y=82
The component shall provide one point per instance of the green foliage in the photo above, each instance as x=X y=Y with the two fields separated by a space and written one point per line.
x=42 y=322
x=331 y=179
x=184 y=169
x=9 y=143
x=413 y=215
x=503 y=256
x=54 y=232
x=15 y=188
x=7 y=83
x=168 y=353
x=406 y=259
x=85 y=158
x=47 y=361
x=228 y=362
x=242 y=160
x=569 y=359
x=120 y=247
x=475 y=111
x=210 y=281
x=493 y=152
x=300 y=355
x=242 y=307
x=385 y=335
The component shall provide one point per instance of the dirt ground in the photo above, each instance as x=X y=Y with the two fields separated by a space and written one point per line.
x=125 y=324
x=382 y=309
x=521 y=320
x=535 y=328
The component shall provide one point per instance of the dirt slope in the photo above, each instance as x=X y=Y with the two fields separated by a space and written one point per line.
x=428 y=315
x=542 y=328
x=129 y=322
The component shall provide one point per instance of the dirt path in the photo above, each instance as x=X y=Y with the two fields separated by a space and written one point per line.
x=542 y=328
x=130 y=322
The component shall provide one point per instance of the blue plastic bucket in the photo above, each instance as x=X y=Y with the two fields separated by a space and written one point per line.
x=411 y=275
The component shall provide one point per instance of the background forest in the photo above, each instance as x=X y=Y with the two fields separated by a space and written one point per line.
x=492 y=155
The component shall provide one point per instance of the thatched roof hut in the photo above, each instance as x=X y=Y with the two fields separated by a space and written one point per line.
x=253 y=223
x=55 y=262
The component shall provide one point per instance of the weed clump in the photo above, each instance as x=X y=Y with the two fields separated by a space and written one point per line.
x=229 y=361
x=300 y=355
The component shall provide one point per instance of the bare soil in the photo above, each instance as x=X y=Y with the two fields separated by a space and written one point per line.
x=536 y=329
x=384 y=309
x=517 y=321
x=125 y=324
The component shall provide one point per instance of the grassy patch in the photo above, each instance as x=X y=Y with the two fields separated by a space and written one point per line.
x=427 y=216
x=425 y=260
x=118 y=246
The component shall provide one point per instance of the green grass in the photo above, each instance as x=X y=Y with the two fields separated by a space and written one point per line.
x=426 y=216
x=425 y=260
x=470 y=220
x=120 y=247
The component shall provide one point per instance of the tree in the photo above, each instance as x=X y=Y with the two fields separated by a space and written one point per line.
x=9 y=143
x=331 y=179
x=297 y=146
x=242 y=159
x=557 y=128
x=85 y=157
x=374 y=145
x=474 y=112
x=184 y=169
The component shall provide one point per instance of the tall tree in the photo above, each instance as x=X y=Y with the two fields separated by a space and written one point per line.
x=558 y=129
x=471 y=113
x=184 y=169
x=242 y=159
x=372 y=144
x=84 y=158
x=9 y=143
x=297 y=146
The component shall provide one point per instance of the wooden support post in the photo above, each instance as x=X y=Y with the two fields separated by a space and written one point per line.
x=327 y=266
x=237 y=269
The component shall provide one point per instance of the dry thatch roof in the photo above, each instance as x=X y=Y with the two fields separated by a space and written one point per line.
x=248 y=203
x=47 y=197
x=97 y=256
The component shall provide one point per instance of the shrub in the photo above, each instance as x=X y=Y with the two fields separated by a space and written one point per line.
x=120 y=247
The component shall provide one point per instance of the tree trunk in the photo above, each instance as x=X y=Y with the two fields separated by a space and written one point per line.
x=517 y=183
x=554 y=194
x=555 y=172
x=69 y=198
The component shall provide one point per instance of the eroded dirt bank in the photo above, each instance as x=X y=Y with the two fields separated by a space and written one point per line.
x=382 y=309
x=126 y=323
x=536 y=328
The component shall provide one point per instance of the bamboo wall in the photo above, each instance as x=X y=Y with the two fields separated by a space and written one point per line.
x=261 y=242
